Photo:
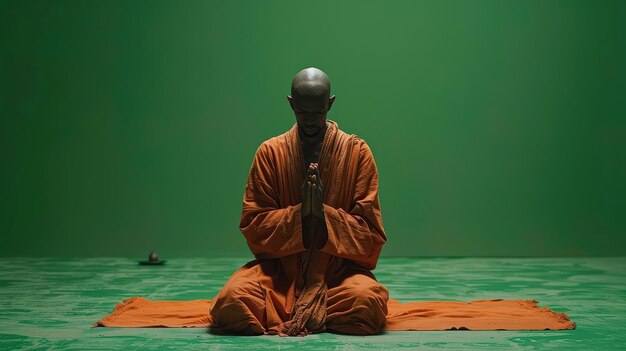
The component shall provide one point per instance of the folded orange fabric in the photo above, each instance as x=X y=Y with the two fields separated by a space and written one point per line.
x=431 y=315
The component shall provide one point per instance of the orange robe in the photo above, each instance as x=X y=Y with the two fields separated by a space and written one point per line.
x=334 y=285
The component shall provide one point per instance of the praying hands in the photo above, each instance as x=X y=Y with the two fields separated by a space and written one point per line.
x=312 y=193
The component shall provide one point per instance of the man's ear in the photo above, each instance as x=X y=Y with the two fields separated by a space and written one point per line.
x=330 y=101
x=290 y=99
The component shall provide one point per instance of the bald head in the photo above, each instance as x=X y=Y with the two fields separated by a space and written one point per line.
x=310 y=82
x=310 y=101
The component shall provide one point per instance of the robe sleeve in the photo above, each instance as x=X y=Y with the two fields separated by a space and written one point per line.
x=270 y=231
x=358 y=235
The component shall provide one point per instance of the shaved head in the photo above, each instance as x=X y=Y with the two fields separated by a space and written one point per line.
x=310 y=101
x=310 y=82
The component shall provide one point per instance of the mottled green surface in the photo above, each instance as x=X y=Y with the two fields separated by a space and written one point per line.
x=50 y=303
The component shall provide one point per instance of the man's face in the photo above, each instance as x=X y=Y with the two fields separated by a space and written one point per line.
x=310 y=112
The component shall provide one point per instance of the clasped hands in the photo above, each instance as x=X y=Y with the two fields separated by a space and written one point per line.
x=312 y=193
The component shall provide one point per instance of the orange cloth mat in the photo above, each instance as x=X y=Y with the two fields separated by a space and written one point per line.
x=432 y=315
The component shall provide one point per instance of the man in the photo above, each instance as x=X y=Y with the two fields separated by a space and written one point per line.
x=311 y=216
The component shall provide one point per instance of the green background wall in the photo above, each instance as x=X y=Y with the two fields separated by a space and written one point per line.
x=499 y=127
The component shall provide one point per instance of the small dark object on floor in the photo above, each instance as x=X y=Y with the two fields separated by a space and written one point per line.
x=153 y=259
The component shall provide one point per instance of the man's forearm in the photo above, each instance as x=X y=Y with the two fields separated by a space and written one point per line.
x=352 y=236
x=273 y=233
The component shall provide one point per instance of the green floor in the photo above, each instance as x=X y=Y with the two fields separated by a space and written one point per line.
x=50 y=304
